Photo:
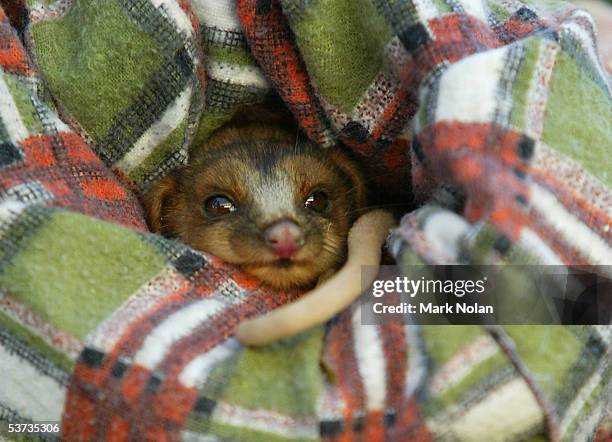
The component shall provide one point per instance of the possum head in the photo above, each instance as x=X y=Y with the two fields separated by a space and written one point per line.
x=256 y=198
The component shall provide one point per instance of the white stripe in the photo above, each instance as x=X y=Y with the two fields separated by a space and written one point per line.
x=31 y=192
x=462 y=364
x=417 y=364
x=511 y=6
x=567 y=170
x=588 y=425
x=475 y=8
x=570 y=227
x=426 y=10
x=584 y=14
x=32 y=394
x=605 y=333
x=192 y=436
x=585 y=41
x=110 y=331
x=444 y=231
x=196 y=372
x=59 y=124
x=236 y=74
x=370 y=361
x=158 y=132
x=9 y=212
x=468 y=89
x=43 y=111
x=35 y=324
x=218 y=13
x=380 y=92
x=10 y=114
x=330 y=405
x=537 y=95
x=56 y=10
x=532 y=243
x=175 y=327
x=584 y=394
x=509 y=410
x=266 y=421
x=174 y=11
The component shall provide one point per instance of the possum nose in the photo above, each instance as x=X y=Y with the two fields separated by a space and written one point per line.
x=285 y=238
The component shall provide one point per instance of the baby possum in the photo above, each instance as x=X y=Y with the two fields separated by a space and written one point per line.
x=257 y=198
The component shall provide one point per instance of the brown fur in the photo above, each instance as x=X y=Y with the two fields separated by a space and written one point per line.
x=241 y=161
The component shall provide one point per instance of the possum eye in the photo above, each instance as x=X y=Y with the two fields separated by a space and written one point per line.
x=219 y=205
x=317 y=201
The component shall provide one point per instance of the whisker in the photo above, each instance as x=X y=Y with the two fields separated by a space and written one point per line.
x=334 y=252
x=297 y=138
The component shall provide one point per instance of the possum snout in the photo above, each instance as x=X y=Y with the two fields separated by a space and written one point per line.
x=285 y=238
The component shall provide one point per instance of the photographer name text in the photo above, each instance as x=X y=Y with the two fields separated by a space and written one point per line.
x=415 y=287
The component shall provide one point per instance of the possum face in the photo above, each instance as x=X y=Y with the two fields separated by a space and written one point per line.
x=255 y=198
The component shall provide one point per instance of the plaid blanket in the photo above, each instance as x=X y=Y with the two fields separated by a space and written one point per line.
x=494 y=115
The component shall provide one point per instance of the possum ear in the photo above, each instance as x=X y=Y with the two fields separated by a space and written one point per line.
x=352 y=170
x=158 y=202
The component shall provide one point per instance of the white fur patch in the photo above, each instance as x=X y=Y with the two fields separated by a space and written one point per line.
x=273 y=197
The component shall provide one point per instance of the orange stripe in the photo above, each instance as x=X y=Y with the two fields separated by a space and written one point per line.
x=410 y=425
x=575 y=203
x=103 y=189
x=13 y=57
x=118 y=429
x=374 y=427
x=79 y=412
x=479 y=159
x=38 y=151
x=271 y=42
x=174 y=401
